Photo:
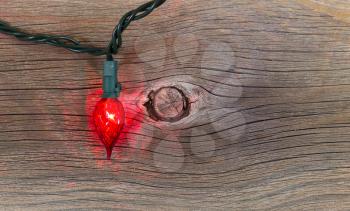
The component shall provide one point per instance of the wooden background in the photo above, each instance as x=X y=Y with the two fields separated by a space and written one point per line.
x=269 y=87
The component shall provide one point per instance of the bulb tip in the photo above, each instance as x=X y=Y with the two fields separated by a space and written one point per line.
x=109 y=153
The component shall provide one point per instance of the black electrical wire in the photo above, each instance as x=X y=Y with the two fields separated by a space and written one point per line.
x=74 y=45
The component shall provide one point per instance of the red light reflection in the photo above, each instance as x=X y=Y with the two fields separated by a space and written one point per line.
x=133 y=120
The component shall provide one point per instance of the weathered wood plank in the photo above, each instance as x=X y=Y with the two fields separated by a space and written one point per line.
x=268 y=129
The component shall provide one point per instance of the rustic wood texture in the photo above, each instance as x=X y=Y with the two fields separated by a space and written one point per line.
x=268 y=83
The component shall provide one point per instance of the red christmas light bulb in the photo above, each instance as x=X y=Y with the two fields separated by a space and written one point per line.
x=109 y=119
x=109 y=115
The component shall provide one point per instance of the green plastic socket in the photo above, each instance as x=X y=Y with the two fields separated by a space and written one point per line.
x=111 y=86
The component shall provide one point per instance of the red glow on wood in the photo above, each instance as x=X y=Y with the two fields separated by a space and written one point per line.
x=133 y=124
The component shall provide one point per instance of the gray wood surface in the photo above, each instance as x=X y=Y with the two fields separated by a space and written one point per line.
x=268 y=84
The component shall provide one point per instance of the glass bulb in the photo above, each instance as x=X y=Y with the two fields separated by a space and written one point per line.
x=109 y=119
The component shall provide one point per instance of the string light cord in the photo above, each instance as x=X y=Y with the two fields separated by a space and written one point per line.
x=74 y=45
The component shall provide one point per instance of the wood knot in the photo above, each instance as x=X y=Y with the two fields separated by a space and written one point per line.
x=167 y=104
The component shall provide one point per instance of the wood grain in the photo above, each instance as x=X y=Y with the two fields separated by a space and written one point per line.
x=269 y=86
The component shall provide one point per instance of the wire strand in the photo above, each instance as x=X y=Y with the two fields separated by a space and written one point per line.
x=73 y=45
